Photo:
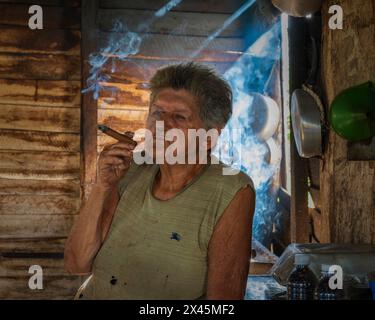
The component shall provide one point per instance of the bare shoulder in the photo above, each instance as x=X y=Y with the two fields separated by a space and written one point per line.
x=230 y=178
x=240 y=210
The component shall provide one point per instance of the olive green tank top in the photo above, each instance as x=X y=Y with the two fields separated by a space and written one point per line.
x=158 y=249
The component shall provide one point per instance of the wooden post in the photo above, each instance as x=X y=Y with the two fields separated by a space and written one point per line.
x=89 y=110
x=347 y=187
x=299 y=216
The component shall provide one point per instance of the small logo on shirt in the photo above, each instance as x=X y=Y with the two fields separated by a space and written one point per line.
x=175 y=236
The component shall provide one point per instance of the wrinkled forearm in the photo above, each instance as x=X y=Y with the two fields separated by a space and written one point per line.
x=85 y=238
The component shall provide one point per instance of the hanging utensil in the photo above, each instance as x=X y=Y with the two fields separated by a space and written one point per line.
x=307 y=114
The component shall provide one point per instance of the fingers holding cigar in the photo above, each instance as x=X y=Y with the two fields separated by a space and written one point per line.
x=115 y=159
x=121 y=150
x=119 y=146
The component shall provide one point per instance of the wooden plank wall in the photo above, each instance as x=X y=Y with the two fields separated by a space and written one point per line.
x=170 y=39
x=40 y=74
x=348 y=187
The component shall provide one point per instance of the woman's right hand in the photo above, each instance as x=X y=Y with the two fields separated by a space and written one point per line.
x=113 y=163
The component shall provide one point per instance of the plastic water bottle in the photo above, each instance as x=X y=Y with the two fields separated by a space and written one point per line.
x=323 y=290
x=301 y=282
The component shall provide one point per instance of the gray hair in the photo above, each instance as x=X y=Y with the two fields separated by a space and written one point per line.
x=213 y=93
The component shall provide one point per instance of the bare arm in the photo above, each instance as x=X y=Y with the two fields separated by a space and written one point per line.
x=95 y=217
x=230 y=248
x=90 y=229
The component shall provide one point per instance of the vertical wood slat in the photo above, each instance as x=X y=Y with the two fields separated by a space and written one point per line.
x=299 y=208
x=89 y=115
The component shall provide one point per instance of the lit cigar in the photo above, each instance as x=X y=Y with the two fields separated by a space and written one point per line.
x=117 y=135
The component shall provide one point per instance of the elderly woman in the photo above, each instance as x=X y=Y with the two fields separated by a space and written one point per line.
x=167 y=231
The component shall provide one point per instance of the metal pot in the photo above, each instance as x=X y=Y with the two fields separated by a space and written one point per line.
x=306 y=123
x=298 y=8
x=307 y=113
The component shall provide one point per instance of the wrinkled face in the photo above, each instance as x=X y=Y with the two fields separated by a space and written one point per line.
x=177 y=109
